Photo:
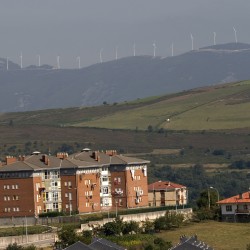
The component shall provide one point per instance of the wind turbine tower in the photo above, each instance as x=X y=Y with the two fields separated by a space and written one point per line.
x=21 y=60
x=172 y=47
x=214 y=38
x=7 y=63
x=101 y=55
x=116 y=52
x=134 y=49
x=39 y=60
x=192 y=41
x=78 y=59
x=235 y=35
x=58 y=62
x=154 y=48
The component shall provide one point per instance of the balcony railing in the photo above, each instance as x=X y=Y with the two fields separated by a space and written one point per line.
x=242 y=211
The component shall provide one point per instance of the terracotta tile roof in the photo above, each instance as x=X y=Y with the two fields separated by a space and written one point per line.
x=240 y=198
x=163 y=185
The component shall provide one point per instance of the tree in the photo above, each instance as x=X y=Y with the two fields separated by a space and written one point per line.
x=67 y=236
x=131 y=226
x=113 y=228
x=86 y=237
x=14 y=246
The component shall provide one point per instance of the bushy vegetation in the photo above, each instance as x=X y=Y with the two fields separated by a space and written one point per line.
x=228 y=183
x=15 y=246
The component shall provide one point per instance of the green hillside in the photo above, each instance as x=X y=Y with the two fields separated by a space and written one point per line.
x=218 y=107
x=212 y=108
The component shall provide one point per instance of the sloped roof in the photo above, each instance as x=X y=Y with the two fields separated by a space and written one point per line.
x=32 y=163
x=240 y=198
x=191 y=243
x=164 y=185
x=103 y=244
x=78 y=246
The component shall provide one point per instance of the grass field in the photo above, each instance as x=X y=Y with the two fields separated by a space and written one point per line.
x=221 y=236
x=210 y=108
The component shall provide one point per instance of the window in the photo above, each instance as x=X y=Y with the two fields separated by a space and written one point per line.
x=65 y=183
x=229 y=208
x=37 y=186
x=105 y=178
x=119 y=180
x=5 y=198
x=69 y=184
x=87 y=182
x=17 y=186
x=67 y=206
x=87 y=204
x=15 y=197
x=66 y=195
x=13 y=186
x=17 y=209
x=245 y=207
x=105 y=190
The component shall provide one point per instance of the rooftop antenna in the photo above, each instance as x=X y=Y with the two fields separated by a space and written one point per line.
x=78 y=59
x=101 y=55
x=214 y=38
x=172 y=47
x=58 y=62
x=235 y=35
x=154 y=47
x=116 y=52
x=192 y=40
x=39 y=60
x=134 y=49
x=7 y=63
x=21 y=60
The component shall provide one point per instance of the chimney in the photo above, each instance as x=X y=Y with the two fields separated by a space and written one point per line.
x=45 y=159
x=95 y=155
x=62 y=155
x=111 y=152
x=10 y=159
x=21 y=157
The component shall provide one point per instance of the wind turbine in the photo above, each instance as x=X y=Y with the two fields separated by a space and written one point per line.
x=58 y=62
x=39 y=60
x=172 y=47
x=7 y=63
x=134 y=49
x=154 y=48
x=214 y=38
x=101 y=55
x=192 y=40
x=21 y=60
x=78 y=59
x=116 y=52
x=235 y=35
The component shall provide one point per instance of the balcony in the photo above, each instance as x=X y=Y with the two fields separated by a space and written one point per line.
x=242 y=211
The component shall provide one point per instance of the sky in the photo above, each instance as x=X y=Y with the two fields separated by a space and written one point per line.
x=83 y=28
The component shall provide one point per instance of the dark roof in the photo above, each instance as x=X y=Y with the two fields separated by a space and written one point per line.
x=191 y=243
x=80 y=160
x=33 y=163
x=78 y=246
x=103 y=244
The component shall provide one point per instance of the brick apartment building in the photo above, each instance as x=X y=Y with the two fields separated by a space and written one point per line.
x=88 y=181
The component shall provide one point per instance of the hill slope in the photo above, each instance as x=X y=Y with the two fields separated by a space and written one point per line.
x=121 y=80
x=218 y=107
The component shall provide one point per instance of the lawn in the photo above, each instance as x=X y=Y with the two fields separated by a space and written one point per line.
x=219 y=235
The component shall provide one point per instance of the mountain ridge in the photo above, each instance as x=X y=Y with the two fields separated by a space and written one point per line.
x=120 y=80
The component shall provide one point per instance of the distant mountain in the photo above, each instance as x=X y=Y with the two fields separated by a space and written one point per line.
x=121 y=80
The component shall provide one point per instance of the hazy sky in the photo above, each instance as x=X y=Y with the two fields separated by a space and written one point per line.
x=71 y=28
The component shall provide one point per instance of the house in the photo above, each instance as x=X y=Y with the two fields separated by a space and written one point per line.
x=78 y=246
x=166 y=193
x=191 y=243
x=103 y=244
x=97 y=244
x=87 y=181
x=236 y=208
